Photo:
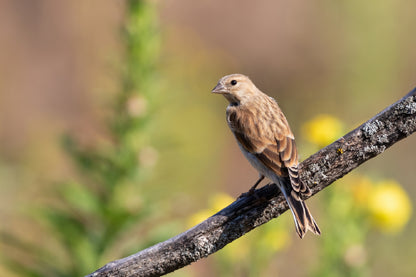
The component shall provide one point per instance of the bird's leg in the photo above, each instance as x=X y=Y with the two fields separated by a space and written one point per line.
x=252 y=189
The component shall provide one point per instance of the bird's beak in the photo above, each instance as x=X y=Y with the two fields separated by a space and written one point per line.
x=219 y=88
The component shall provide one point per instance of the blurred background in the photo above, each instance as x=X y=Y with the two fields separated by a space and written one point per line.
x=110 y=140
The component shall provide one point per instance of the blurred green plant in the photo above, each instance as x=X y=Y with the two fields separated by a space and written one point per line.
x=94 y=218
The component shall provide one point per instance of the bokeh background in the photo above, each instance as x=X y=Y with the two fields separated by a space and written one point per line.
x=110 y=140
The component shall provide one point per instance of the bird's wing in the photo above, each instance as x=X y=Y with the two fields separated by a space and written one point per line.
x=289 y=156
x=271 y=141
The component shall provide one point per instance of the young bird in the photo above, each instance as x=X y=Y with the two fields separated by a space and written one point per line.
x=264 y=137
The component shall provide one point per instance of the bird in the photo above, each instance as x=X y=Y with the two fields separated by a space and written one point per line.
x=264 y=136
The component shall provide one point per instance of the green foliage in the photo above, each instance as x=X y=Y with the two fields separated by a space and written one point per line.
x=342 y=247
x=94 y=215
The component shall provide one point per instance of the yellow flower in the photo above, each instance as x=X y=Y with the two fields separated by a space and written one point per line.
x=362 y=189
x=198 y=217
x=216 y=203
x=323 y=129
x=220 y=201
x=389 y=206
x=275 y=239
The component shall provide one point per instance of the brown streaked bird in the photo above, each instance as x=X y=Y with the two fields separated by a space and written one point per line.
x=265 y=138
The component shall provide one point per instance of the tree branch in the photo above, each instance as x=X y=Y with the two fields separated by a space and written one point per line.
x=318 y=171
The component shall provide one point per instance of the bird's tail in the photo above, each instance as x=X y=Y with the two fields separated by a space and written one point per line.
x=301 y=215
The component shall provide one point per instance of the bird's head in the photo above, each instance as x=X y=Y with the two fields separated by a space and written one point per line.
x=237 y=88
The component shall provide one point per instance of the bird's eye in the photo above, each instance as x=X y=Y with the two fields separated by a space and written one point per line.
x=233 y=82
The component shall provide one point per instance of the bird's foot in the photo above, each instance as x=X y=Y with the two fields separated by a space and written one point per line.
x=251 y=192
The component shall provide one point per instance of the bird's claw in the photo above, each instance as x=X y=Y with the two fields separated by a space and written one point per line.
x=249 y=193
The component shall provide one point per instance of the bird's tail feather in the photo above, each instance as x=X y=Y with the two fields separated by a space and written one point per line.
x=301 y=215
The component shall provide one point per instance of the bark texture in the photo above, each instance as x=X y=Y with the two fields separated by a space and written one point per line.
x=318 y=171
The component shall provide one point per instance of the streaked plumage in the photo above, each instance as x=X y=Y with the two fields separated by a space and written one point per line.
x=264 y=136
